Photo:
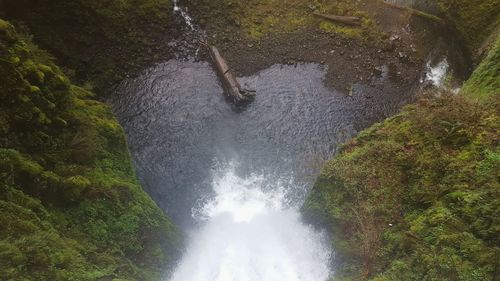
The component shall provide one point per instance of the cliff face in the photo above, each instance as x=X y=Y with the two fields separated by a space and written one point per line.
x=485 y=80
x=476 y=20
x=70 y=206
x=416 y=197
x=98 y=42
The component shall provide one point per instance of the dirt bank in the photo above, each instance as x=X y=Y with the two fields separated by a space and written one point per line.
x=253 y=36
x=101 y=44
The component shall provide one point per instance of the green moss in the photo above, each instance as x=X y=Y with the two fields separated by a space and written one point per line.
x=265 y=18
x=474 y=19
x=416 y=197
x=349 y=32
x=101 y=41
x=74 y=186
x=70 y=206
x=485 y=81
x=13 y=165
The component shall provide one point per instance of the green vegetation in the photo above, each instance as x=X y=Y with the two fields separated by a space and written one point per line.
x=70 y=206
x=485 y=81
x=417 y=196
x=275 y=16
x=474 y=19
x=98 y=41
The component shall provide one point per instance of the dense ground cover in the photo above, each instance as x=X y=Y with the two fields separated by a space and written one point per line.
x=485 y=80
x=417 y=196
x=70 y=206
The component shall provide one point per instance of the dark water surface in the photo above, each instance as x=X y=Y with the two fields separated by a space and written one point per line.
x=179 y=124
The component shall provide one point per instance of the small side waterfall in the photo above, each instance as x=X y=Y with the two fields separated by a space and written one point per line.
x=187 y=18
x=436 y=74
x=193 y=39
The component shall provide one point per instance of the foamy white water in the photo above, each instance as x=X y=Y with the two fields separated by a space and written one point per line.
x=250 y=234
x=437 y=74
x=187 y=18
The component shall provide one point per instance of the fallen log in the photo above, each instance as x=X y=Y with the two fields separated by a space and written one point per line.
x=231 y=87
x=348 y=20
x=413 y=11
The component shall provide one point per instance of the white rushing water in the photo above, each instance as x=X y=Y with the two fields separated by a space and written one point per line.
x=187 y=18
x=437 y=74
x=250 y=234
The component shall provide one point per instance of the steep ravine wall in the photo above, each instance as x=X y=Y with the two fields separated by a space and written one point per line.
x=72 y=209
x=416 y=196
x=485 y=80
x=476 y=20
x=70 y=205
x=99 y=43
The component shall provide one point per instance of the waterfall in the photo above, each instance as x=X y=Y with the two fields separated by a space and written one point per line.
x=187 y=19
x=249 y=232
x=436 y=74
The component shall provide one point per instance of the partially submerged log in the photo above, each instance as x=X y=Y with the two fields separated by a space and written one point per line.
x=348 y=20
x=414 y=12
x=231 y=86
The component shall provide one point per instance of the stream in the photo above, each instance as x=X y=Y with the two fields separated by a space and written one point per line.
x=235 y=178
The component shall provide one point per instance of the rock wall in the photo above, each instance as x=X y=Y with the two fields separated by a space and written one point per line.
x=98 y=42
x=415 y=197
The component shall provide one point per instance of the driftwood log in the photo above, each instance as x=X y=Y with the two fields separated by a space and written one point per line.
x=348 y=20
x=229 y=83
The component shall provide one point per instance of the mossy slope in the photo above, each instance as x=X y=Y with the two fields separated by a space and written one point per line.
x=417 y=196
x=102 y=41
x=257 y=19
x=474 y=19
x=485 y=80
x=70 y=206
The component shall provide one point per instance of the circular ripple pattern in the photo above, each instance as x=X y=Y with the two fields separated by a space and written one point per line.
x=178 y=124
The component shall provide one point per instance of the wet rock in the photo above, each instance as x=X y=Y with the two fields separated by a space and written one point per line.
x=394 y=37
x=378 y=70
x=389 y=47
x=312 y=7
x=403 y=56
